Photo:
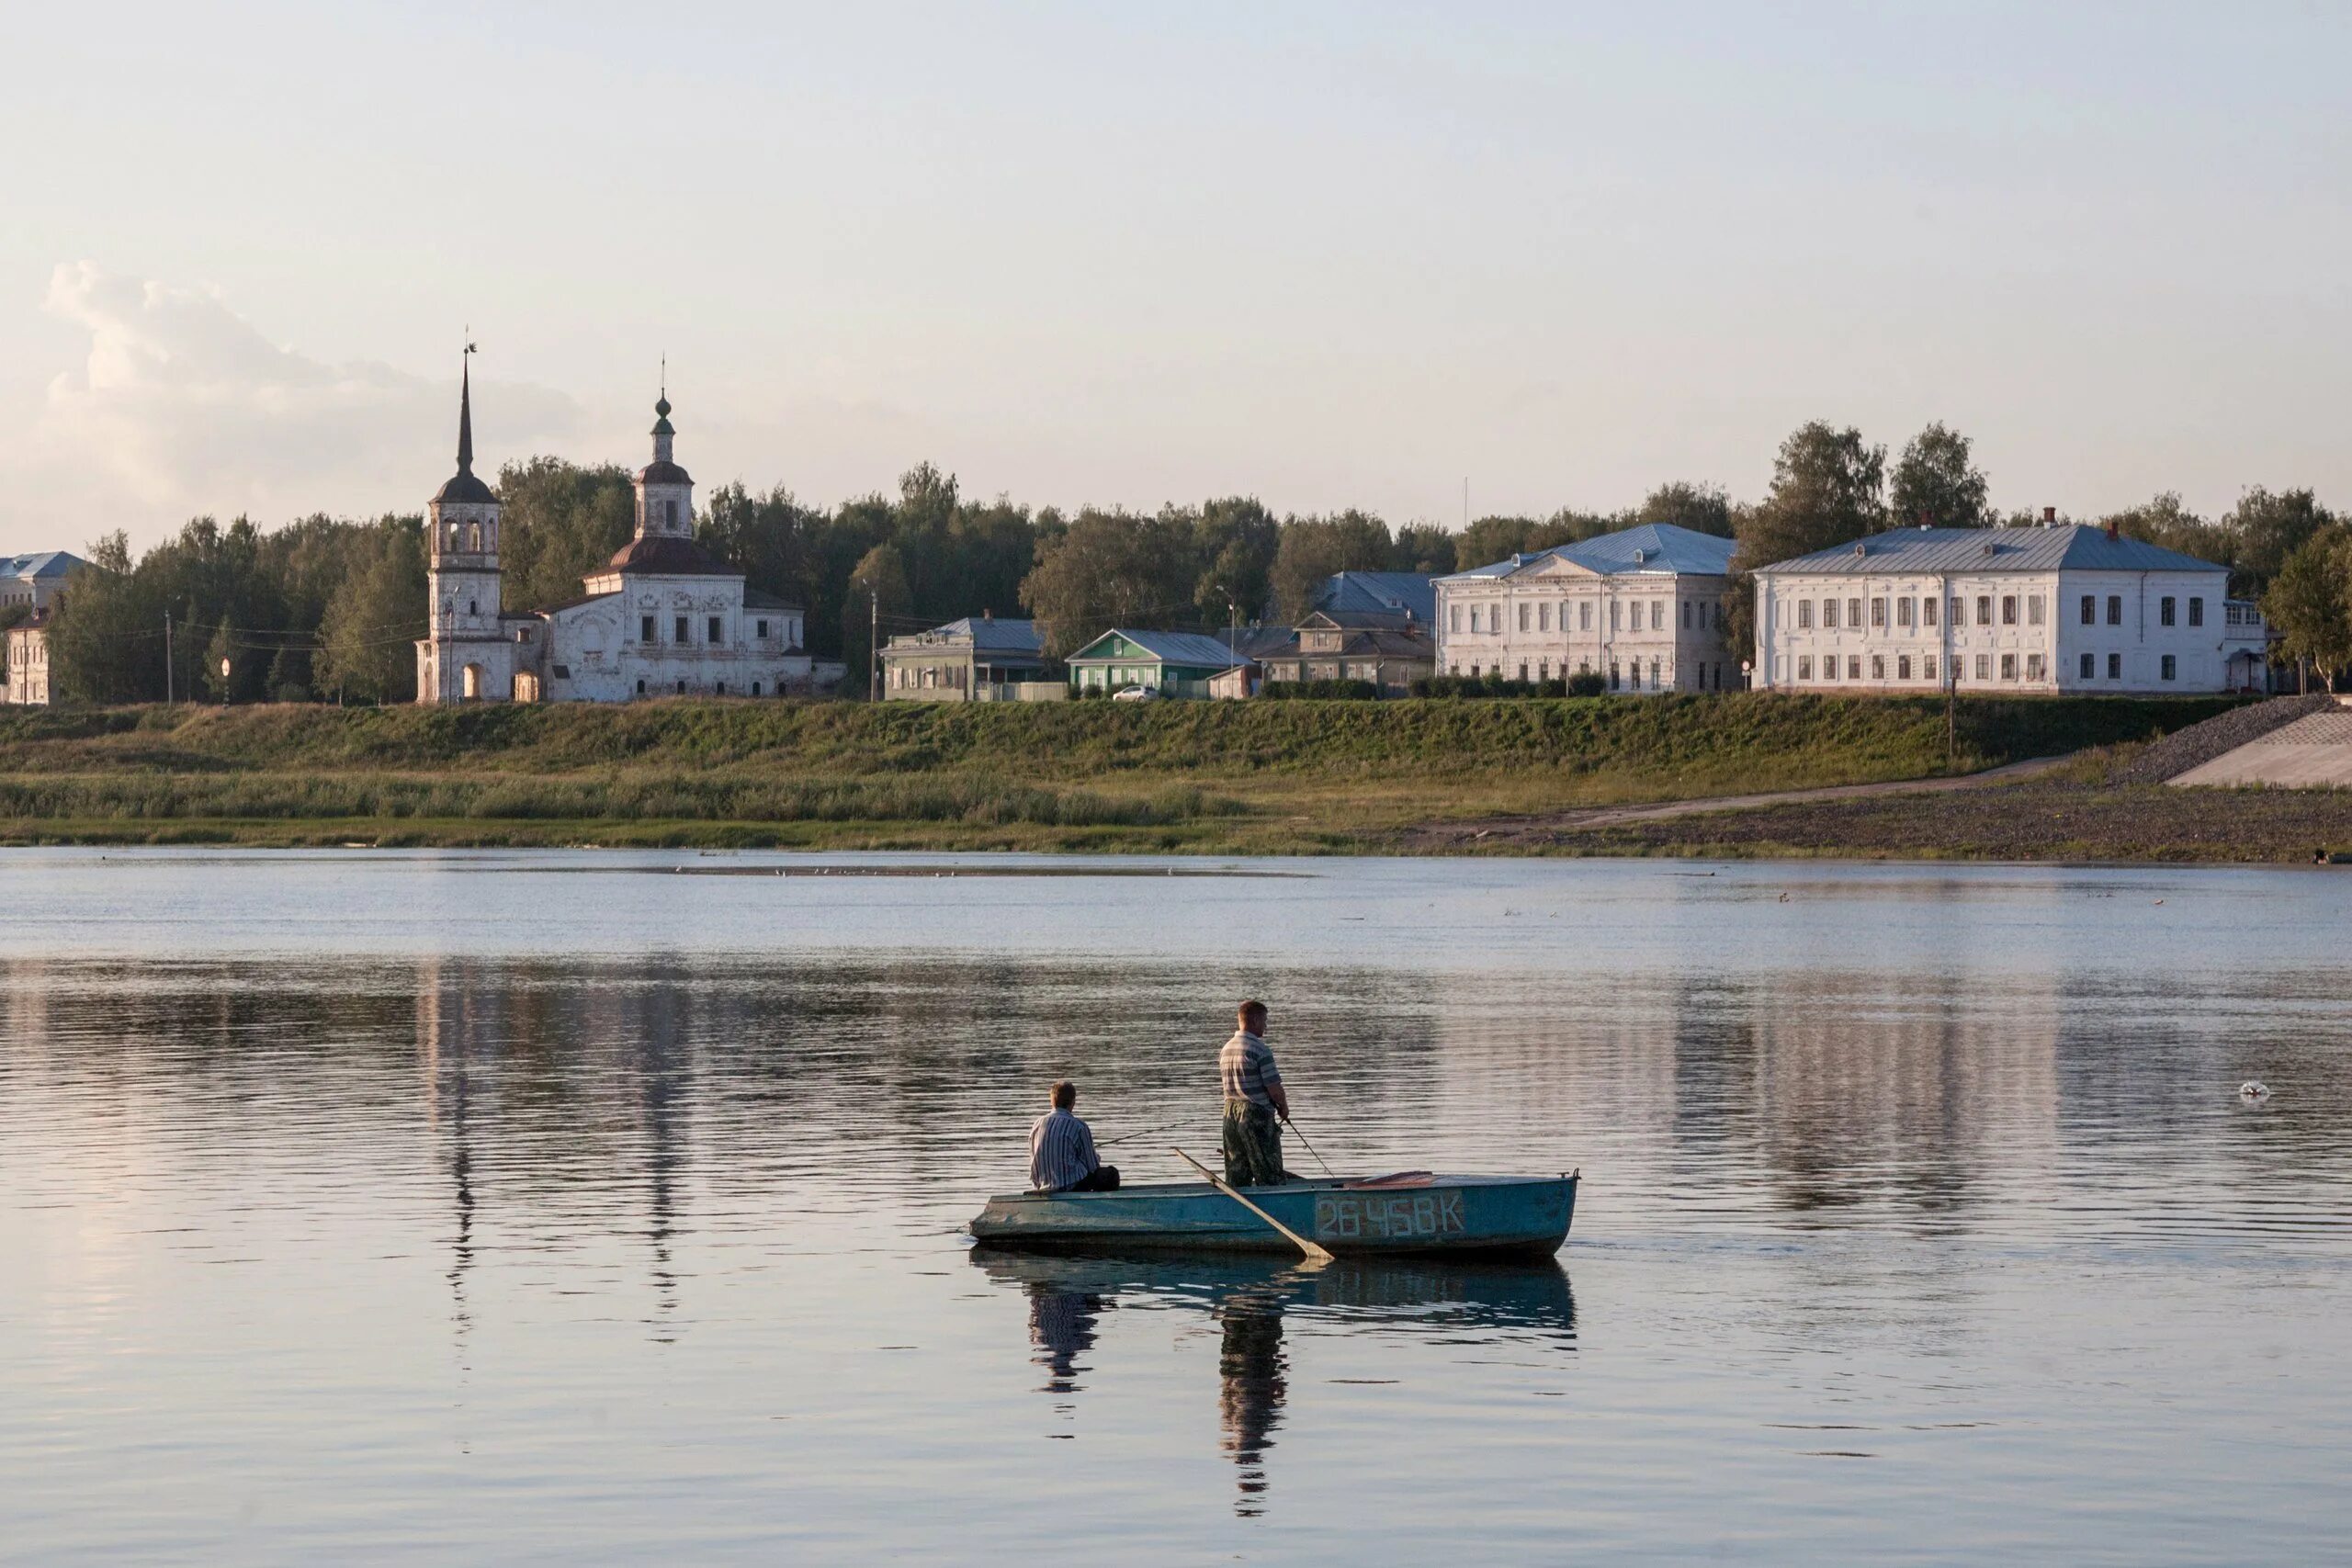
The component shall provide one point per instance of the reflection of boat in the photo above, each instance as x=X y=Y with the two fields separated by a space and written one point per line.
x=1526 y=1215
x=1247 y=1298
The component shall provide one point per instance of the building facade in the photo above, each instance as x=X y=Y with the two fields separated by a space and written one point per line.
x=1641 y=608
x=26 y=683
x=1364 y=625
x=2052 y=608
x=1173 y=664
x=978 y=658
x=664 y=617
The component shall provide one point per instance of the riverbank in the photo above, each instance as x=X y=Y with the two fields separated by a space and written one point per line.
x=1247 y=778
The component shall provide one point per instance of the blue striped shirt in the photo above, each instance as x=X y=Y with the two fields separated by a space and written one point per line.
x=1247 y=1066
x=1061 y=1152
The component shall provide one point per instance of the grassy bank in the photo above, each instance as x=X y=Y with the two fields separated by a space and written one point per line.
x=1245 y=777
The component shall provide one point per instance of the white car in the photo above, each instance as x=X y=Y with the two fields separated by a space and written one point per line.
x=1135 y=694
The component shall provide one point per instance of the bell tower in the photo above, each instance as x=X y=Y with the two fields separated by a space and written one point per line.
x=665 y=492
x=462 y=576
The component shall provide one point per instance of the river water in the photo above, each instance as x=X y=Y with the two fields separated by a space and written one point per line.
x=599 y=1206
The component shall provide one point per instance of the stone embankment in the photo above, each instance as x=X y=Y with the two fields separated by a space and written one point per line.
x=2201 y=743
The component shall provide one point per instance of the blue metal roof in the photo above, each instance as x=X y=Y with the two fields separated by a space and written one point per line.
x=1191 y=648
x=988 y=636
x=45 y=563
x=1651 y=547
x=1377 y=593
x=2075 y=547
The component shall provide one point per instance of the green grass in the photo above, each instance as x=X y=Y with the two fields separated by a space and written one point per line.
x=1292 y=776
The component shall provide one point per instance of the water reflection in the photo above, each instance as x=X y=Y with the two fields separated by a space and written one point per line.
x=1249 y=1299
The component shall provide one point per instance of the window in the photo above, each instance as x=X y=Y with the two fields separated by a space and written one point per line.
x=719 y=688
x=1927 y=666
x=473 y=608
x=682 y=688
x=1543 y=617
x=1473 y=617
x=1958 y=618
x=1805 y=666
x=1854 y=613
x=1612 y=615
x=1903 y=667
x=1983 y=609
x=2115 y=609
x=1829 y=667
x=761 y=632
x=1984 y=666
x=2008 y=609
x=1522 y=663
x=1686 y=615
x=1878 y=666
x=645 y=629
x=1522 y=616
x=2090 y=660
x=1614 y=681
x=2008 y=667
x=2115 y=667
x=1453 y=617
x=2164 y=611
x=1903 y=612
x=2033 y=609
x=1658 y=623
x=755 y=688
x=1719 y=615
x=2170 y=666
x=1926 y=612
x=640 y=688
x=1657 y=681
x=1805 y=618
x=2033 y=667
x=1584 y=616
x=1829 y=614
x=2090 y=609
x=683 y=636
x=1853 y=667
x=2196 y=612
x=670 y=515
x=1878 y=612
x=716 y=635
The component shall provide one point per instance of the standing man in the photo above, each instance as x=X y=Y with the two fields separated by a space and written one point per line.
x=1061 y=1150
x=1253 y=1099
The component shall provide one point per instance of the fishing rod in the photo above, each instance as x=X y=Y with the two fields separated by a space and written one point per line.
x=1146 y=1132
x=1311 y=1149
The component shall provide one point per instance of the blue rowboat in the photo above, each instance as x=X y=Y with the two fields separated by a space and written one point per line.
x=1432 y=1215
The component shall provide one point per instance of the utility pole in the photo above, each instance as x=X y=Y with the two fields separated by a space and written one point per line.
x=168 y=696
x=874 y=643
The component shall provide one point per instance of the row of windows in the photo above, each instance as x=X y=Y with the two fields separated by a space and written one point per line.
x=1710 y=676
x=1921 y=613
x=1537 y=615
x=683 y=629
x=472 y=534
x=2168 y=666
x=719 y=688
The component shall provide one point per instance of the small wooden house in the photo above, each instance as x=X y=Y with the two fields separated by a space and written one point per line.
x=1174 y=664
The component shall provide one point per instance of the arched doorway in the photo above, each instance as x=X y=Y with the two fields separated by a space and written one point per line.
x=471 y=690
x=526 y=687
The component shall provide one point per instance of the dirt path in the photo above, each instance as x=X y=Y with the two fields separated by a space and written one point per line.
x=1499 y=830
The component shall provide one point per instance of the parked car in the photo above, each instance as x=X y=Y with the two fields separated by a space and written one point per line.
x=1135 y=694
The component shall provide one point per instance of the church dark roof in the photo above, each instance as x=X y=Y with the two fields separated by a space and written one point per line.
x=663 y=472
x=463 y=486
x=669 y=555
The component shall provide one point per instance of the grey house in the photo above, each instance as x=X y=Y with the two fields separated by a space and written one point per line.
x=974 y=660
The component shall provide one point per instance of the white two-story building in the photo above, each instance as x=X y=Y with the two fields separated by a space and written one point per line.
x=2053 y=608
x=1642 y=608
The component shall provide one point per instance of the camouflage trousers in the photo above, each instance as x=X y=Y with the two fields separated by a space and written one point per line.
x=1254 y=1144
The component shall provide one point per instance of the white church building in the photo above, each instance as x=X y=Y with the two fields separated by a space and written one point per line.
x=664 y=617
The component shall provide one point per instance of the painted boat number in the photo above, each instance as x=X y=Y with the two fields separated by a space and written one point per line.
x=1345 y=1216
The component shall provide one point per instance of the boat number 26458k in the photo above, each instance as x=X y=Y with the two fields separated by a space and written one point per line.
x=1344 y=1216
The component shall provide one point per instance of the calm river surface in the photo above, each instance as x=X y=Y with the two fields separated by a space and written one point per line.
x=564 y=1208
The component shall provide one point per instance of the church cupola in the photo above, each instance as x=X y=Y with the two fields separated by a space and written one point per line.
x=665 y=492
x=464 y=487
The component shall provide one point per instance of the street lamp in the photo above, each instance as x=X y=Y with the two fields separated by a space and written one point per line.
x=225 y=680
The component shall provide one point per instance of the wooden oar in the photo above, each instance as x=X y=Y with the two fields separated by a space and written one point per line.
x=1316 y=1256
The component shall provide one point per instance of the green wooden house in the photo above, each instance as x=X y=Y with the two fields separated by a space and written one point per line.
x=1174 y=664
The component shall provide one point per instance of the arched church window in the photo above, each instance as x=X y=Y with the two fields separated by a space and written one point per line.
x=473 y=537
x=473 y=607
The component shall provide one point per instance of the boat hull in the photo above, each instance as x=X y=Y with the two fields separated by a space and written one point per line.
x=1451 y=1215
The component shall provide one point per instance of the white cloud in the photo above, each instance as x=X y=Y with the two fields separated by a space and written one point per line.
x=182 y=406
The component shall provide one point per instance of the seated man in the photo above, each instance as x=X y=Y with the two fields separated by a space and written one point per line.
x=1061 y=1151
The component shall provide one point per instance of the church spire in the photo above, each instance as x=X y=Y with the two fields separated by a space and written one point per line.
x=465 y=412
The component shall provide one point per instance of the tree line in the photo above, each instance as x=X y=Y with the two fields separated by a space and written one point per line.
x=328 y=609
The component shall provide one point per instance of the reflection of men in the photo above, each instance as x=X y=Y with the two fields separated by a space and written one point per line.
x=1251 y=1384
x=1253 y=1098
x=1061 y=1150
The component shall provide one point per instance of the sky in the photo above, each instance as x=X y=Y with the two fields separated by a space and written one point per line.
x=1329 y=254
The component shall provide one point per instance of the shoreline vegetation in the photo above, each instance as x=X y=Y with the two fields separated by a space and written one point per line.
x=1522 y=776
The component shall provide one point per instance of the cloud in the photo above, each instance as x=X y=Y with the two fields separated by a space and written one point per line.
x=182 y=406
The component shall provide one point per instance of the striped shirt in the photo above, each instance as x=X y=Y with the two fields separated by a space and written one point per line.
x=1061 y=1152
x=1247 y=1067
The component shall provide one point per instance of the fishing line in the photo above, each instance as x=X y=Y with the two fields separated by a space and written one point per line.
x=1311 y=1149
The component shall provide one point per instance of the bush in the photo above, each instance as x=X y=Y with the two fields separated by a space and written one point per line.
x=1491 y=686
x=1587 y=684
x=1326 y=691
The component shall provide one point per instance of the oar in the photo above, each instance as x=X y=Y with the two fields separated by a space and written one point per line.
x=1316 y=1256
